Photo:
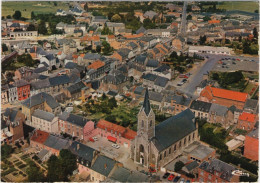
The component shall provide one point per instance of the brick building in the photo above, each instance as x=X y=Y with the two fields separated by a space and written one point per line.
x=23 y=89
x=246 y=121
x=115 y=133
x=223 y=97
x=216 y=171
x=251 y=149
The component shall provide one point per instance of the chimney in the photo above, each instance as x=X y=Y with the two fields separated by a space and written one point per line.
x=105 y=166
x=77 y=146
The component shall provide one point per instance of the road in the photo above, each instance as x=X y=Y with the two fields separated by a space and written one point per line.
x=183 y=19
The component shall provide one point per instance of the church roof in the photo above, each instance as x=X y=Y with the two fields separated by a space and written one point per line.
x=173 y=129
x=146 y=104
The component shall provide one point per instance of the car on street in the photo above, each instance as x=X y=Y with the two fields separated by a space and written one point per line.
x=176 y=179
x=91 y=139
x=180 y=84
x=188 y=181
x=166 y=175
x=184 y=80
x=170 y=178
x=115 y=146
x=95 y=138
x=182 y=180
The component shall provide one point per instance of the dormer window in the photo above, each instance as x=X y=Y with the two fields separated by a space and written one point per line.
x=151 y=123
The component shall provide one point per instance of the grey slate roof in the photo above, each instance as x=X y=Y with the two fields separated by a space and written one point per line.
x=150 y=77
x=73 y=119
x=11 y=113
x=162 y=68
x=44 y=83
x=42 y=153
x=76 y=88
x=224 y=169
x=59 y=80
x=139 y=90
x=56 y=142
x=251 y=104
x=141 y=58
x=254 y=133
x=152 y=63
x=40 y=69
x=140 y=30
x=155 y=96
x=84 y=153
x=103 y=165
x=192 y=165
x=181 y=100
x=91 y=56
x=43 y=115
x=173 y=129
x=200 y=106
x=146 y=104
x=122 y=174
x=218 y=109
x=39 y=99
x=161 y=81
x=123 y=52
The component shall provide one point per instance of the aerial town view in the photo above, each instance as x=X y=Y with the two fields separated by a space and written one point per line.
x=139 y=91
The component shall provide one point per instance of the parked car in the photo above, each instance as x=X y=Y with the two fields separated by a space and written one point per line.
x=176 y=179
x=182 y=180
x=170 y=178
x=95 y=138
x=166 y=175
x=115 y=146
x=180 y=84
x=188 y=181
x=152 y=170
x=91 y=139
x=184 y=80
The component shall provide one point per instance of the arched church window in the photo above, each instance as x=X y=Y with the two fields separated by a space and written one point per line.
x=164 y=153
x=180 y=144
x=160 y=156
x=151 y=123
x=189 y=138
x=184 y=141
x=142 y=123
x=170 y=150
x=174 y=147
x=193 y=136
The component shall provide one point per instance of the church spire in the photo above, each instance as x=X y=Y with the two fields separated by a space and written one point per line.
x=146 y=104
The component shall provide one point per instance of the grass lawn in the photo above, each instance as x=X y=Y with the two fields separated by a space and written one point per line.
x=249 y=87
x=8 y=8
x=243 y=6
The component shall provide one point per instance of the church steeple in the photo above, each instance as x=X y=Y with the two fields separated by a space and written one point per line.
x=146 y=104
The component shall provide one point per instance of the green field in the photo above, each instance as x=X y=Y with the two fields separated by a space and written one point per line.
x=8 y=8
x=243 y=6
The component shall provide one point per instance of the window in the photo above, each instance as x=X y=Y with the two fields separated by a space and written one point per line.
x=160 y=156
x=184 y=141
x=164 y=153
x=189 y=138
x=170 y=150
x=180 y=144
x=151 y=123
x=174 y=148
x=142 y=123
x=193 y=136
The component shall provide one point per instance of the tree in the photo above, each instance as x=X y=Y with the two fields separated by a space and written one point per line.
x=4 y=47
x=255 y=33
x=42 y=28
x=6 y=151
x=106 y=48
x=86 y=7
x=98 y=49
x=215 y=76
x=148 y=24
x=27 y=59
x=55 y=3
x=3 y=17
x=189 y=17
x=17 y=15
x=106 y=31
x=54 y=171
x=8 y=17
x=112 y=103
x=206 y=18
x=110 y=15
x=174 y=55
x=202 y=40
x=31 y=27
x=116 y=18
x=178 y=166
x=104 y=97
x=68 y=161
x=35 y=174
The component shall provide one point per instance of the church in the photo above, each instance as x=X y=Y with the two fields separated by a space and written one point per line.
x=157 y=145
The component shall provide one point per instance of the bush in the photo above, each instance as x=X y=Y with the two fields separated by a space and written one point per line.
x=240 y=132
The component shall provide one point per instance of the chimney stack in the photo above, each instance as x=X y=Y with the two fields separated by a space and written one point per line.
x=105 y=166
x=77 y=146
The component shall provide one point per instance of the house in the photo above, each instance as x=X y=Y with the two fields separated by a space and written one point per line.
x=74 y=91
x=41 y=101
x=44 y=121
x=75 y=125
x=85 y=157
x=115 y=27
x=251 y=106
x=160 y=83
x=150 y=14
x=158 y=32
x=4 y=94
x=156 y=99
x=101 y=168
x=251 y=147
x=163 y=71
x=151 y=65
x=114 y=80
x=174 y=104
x=200 y=109
x=89 y=58
x=22 y=72
x=246 y=121
x=12 y=126
x=123 y=54
x=223 y=97
x=216 y=170
x=12 y=93
x=23 y=89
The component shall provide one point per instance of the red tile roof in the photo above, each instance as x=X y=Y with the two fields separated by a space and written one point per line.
x=111 y=37
x=129 y=134
x=214 y=21
x=211 y=92
x=247 y=117
x=95 y=65
x=103 y=124
x=40 y=136
x=134 y=36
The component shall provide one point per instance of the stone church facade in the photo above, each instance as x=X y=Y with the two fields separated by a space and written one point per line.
x=157 y=145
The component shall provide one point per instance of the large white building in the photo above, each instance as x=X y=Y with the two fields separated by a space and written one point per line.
x=210 y=50
x=45 y=121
